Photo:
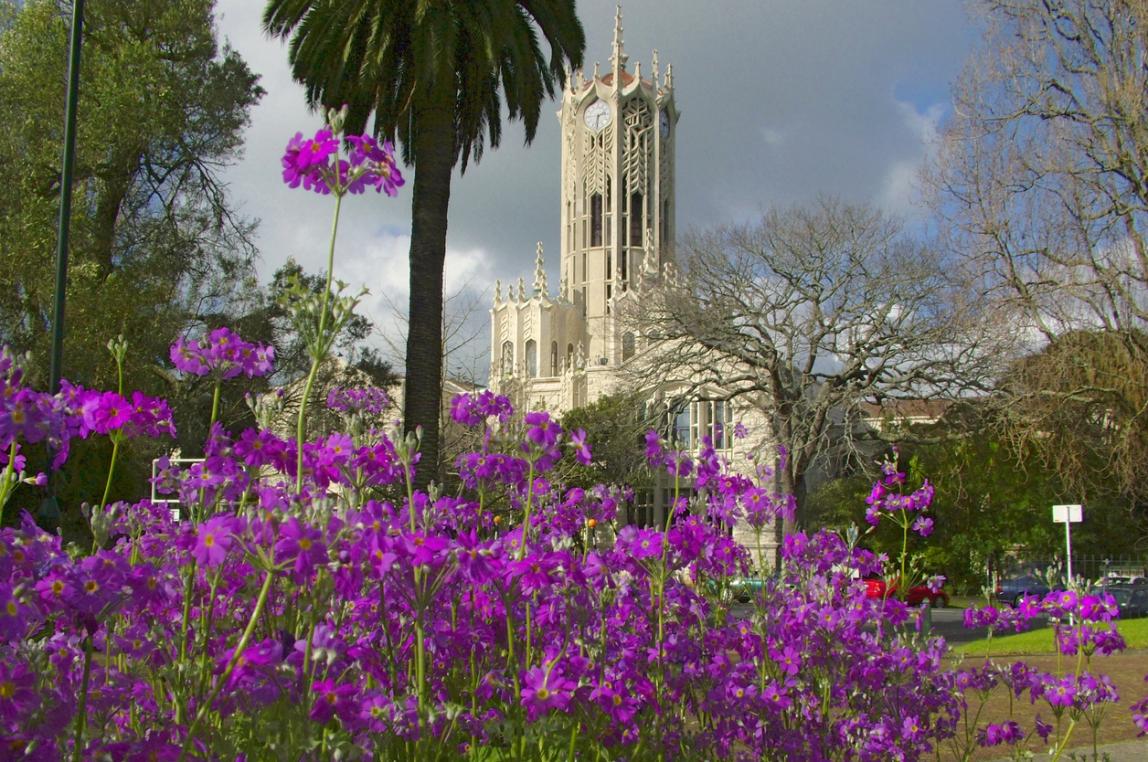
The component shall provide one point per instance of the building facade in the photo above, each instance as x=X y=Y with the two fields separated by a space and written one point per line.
x=565 y=349
x=562 y=350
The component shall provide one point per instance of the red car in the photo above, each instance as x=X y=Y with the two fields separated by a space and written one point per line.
x=875 y=587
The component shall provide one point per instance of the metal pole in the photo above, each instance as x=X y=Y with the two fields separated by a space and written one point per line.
x=49 y=513
x=66 y=195
x=1068 y=550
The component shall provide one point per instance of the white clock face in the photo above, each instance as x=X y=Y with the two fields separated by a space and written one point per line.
x=597 y=115
x=665 y=124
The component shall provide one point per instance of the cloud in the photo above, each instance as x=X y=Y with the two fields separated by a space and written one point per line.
x=779 y=102
x=901 y=194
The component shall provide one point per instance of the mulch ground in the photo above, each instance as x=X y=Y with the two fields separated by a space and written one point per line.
x=1127 y=671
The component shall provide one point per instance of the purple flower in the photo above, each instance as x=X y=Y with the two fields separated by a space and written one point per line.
x=923 y=525
x=212 y=541
x=300 y=546
x=545 y=689
x=581 y=449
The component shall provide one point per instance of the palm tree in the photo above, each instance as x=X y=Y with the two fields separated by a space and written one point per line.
x=435 y=74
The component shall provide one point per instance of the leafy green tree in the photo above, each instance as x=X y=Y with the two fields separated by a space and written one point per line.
x=156 y=247
x=992 y=506
x=615 y=426
x=155 y=244
x=437 y=78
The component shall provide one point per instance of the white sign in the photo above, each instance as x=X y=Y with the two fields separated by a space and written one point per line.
x=1067 y=514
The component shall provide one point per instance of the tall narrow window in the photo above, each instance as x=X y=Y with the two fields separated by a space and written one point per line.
x=531 y=359
x=554 y=358
x=596 y=219
x=637 y=219
x=609 y=265
x=627 y=346
x=569 y=356
x=681 y=425
x=665 y=223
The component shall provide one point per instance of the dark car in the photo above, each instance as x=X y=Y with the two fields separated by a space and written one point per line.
x=1012 y=590
x=1132 y=600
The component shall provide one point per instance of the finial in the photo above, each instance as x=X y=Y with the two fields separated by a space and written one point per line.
x=638 y=70
x=670 y=77
x=655 y=68
x=563 y=287
x=521 y=290
x=540 y=288
x=618 y=57
x=596 y=76
x=497 y=292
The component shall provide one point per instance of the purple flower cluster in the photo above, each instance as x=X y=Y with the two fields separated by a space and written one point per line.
x=354 y=616
x=224 y=354
x=367 y=400
x=476 y=409
x=315 y=164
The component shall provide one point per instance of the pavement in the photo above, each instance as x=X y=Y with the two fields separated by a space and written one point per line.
x=1124 y=751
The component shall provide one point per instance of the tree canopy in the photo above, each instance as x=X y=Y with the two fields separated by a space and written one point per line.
x=438 y=78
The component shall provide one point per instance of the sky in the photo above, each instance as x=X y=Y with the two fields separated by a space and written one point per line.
x=780 y=101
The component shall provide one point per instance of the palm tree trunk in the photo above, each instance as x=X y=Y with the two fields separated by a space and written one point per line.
x=434 y=164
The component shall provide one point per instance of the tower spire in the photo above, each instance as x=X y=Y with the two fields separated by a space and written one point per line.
x=540 y=288
x=618 y=56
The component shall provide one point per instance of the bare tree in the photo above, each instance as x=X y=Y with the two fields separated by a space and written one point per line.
x=463 y=354
x=809 y=313
x=1042 y=183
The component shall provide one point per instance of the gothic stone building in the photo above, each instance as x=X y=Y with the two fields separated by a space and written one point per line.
x=558 y=351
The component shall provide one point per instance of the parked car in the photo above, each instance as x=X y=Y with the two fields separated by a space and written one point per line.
x=1132 y=599
x=875 y=587
x=743 y=589
x=1120 y=580
x=1012 y=590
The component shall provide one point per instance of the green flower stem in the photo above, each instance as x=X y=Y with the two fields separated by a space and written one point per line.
x=317 y=356
x=260 y=602
x=82 y=709
x=526 y=515
x=214 y=404
x=7 y=479
x=115 y=437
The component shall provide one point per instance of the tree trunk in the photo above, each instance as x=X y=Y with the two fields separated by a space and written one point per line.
x=434 y=163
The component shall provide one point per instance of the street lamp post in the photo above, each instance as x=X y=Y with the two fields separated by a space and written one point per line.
x=49 y=513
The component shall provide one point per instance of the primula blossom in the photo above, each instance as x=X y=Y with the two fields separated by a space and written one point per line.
x=224 y=354
x=316 y=164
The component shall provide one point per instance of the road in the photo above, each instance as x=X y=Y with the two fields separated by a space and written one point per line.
x=947 y=622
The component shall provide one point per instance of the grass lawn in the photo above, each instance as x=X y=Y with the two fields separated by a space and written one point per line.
x=1135 y=632
x=1126 y=669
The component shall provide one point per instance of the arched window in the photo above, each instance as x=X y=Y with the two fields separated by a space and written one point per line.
x=531 y=359
x=627 y=346
x=569 y=357
x=554 y=358
x=506 y=364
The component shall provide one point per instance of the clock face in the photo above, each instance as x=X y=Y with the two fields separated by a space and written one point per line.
x=597 y=115
x=664 y=125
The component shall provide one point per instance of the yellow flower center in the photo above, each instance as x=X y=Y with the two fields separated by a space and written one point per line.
x=7 y=689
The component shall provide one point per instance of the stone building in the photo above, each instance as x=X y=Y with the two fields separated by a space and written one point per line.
x=565 y=349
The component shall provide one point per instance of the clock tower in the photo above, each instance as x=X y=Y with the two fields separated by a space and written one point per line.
x=617 y=227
